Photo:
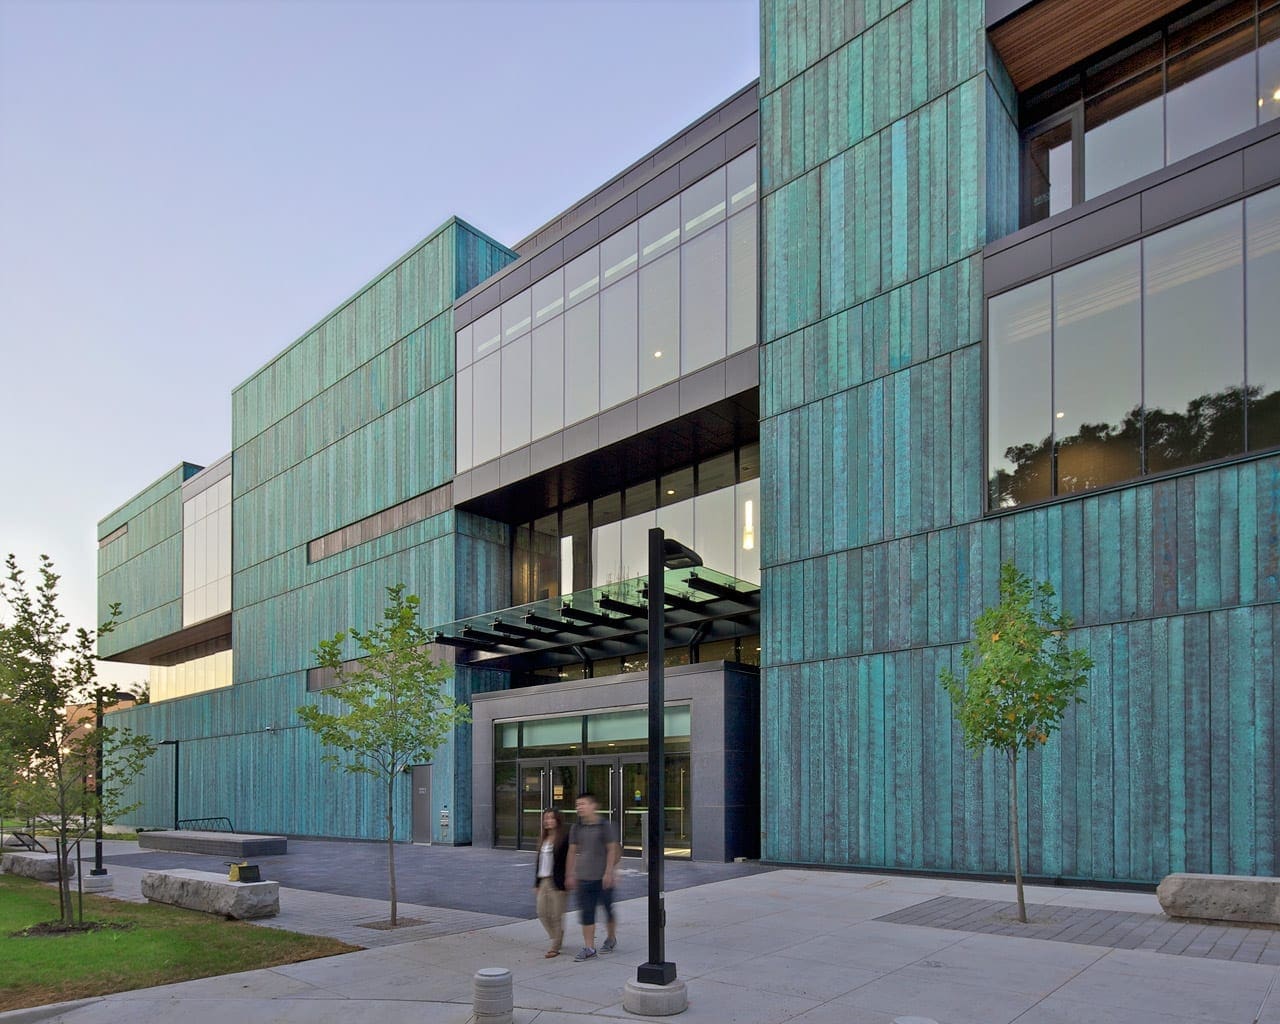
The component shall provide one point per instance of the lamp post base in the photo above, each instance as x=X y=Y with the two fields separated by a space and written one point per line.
x=655 y=1000
x=97 y=883
x=663 y=973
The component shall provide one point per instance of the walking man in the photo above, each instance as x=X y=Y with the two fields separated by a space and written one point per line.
x=594 y=852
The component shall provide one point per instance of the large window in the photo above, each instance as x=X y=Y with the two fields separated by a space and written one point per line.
x=1156 y=356
x=668 y=294
x=714 y=507
x=206 y=553
x=1171 y=92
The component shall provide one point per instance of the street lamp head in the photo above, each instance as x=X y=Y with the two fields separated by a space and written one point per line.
x=678 y=556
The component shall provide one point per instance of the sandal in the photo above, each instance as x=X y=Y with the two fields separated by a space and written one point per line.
x=550 y=953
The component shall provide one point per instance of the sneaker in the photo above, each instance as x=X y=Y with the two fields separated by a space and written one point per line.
x=609 y=945
x=584 y=954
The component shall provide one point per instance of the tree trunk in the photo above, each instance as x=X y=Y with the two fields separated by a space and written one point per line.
x=1017 y=842
x=62 y=852
x=391 y=847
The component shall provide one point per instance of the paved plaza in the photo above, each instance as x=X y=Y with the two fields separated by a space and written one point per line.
x=755 y=946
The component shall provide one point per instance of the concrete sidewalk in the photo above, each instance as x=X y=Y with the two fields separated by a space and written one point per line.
x=769 y=948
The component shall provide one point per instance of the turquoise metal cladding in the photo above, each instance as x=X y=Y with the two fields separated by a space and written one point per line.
x=355 y=416
x=889 y=153
x=142 y=569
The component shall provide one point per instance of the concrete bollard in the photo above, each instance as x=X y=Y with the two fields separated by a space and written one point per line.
x=491 y=1000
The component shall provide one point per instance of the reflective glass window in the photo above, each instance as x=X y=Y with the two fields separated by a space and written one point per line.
x=702 y=307
x=749 y=462
x=516 y=394
x=618 y=342
x=463 y=339
x=716 y=473
x=747 y=531
x=1269 y=65
x=552 y=737
x=506 y=806
x=607 y=509
x=1262 y=317
x=660 y=230
x=674 y=487
x=582 y=361
x=618 y=255
x=487 y=333
x=743 y=303
x=506 y=740
x=548 y=377
x=713 y=529
x=206 y=553
x=548 y=297
x=1019 y=428
x=702 y=204
x=582 y=277
x=1047 y=172
x=676 y=520
x=545 y=558
x=660 y=322
x=1124 y=133
x=1097 y=333
x=1193 y=354
x=487 y=433
x=606 y=554
x=463 y=452
x=517 y=316
x=634 y=544
x=1211 y=92
x=606 y=540
x=640 y=498
x=740 y=181
x=575 y=549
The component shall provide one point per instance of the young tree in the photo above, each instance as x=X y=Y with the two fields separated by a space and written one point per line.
x=46 y=668
x=397 y=709
x=1019 y=678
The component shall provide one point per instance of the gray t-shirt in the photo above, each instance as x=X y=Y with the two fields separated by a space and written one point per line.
x=592 y=842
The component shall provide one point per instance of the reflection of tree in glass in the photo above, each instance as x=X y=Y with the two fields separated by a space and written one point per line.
x=1212 y=427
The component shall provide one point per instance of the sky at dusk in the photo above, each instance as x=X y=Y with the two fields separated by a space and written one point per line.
x=186 y=187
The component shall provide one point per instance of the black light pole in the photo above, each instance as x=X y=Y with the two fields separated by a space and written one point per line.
x=174 y=744
x=98 y=695
x=663 y=554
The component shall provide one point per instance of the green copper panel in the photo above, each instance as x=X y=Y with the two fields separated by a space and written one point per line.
x=889 y=154
x=354 y=417
x=142 y=568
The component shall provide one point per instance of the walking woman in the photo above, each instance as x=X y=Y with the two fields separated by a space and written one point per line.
x=553 y=848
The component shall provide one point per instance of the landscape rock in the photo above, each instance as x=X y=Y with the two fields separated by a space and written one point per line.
x=212 y=893
x=41 y=866
x=1247 y=898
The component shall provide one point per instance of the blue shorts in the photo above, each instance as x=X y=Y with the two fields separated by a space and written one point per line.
x=591 y=892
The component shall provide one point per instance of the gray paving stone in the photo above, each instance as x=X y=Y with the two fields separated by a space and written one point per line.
x=1094 y=926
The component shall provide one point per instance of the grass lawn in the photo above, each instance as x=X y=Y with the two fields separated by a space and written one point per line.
x=160 y=945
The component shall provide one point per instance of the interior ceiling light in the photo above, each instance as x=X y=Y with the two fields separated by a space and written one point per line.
x=1060 y=415
x=657 y=355
x=670 y=491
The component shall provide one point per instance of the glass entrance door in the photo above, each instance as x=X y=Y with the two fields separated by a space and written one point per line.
x=542 y=785
x=635 y=801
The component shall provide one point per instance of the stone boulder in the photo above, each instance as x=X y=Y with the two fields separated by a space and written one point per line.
x=1246 y=898
x=212 y=893
x=41 y=866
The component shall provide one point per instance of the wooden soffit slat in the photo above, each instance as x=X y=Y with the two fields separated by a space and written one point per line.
x=1048 y=37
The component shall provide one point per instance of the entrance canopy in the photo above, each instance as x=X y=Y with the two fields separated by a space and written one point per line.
x=702 y=606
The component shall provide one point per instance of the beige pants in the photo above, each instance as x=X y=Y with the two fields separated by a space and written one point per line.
x=551 y=910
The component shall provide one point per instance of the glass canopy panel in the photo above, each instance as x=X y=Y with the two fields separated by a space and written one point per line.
x=607 y=621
